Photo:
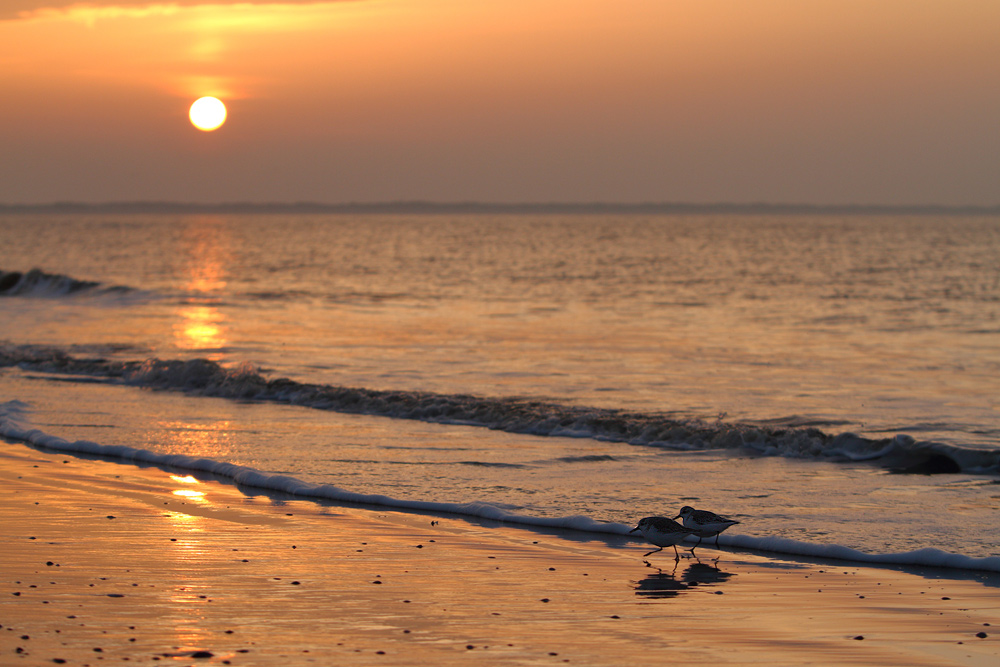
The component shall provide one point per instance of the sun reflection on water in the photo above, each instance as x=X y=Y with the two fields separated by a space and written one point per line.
x=210 y=439
x=202 y=326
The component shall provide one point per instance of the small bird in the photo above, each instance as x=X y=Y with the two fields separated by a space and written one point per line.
x=662 y=532
x=704 y=523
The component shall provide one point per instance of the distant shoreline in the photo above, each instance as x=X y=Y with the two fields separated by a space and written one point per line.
x=465 y=208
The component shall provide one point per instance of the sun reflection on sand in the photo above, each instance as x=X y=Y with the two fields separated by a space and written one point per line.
x=186 y=479
x=190 y=493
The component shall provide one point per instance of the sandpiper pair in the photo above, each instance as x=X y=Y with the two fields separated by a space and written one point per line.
x=664 y=532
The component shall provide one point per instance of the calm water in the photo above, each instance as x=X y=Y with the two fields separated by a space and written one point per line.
x=876 y=326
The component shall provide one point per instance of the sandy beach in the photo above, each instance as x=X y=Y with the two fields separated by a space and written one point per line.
x=106 y=562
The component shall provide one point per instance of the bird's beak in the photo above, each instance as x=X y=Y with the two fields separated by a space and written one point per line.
x=677 y=517
x=634 y=529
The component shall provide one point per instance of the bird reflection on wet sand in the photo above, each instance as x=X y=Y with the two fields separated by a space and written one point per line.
x=668 y=584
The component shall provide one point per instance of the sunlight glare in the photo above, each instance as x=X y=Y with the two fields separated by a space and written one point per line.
x=187 y=479
x=189 y=493
x=207 y=113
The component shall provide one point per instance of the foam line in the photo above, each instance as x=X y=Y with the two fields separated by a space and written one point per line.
x=249 y=477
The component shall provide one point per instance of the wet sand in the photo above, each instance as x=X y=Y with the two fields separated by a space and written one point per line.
x=105 y=563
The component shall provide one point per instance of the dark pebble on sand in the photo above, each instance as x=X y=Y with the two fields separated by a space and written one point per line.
x=718 y=592
x=111 y=516
x=376 y=582
x=116 y=595
x=859 y=637
x=982 y=635
x=296 y=583
x=545 y=599
x=202 y=654
x=469 y=647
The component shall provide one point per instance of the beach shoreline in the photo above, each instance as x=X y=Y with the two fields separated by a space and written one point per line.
x=109 y=562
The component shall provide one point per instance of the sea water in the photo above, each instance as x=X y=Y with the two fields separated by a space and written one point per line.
x=802 y=374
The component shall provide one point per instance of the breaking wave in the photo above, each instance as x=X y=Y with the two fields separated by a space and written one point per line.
x=901 y=453
x=242 y=476
x=37 y=283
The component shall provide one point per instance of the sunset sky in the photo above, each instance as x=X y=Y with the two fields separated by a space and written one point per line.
x=798 y=101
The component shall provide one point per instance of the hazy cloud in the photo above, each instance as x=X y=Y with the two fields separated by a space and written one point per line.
x=19 y=9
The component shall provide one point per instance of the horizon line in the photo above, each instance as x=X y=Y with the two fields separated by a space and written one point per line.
x=471 y=207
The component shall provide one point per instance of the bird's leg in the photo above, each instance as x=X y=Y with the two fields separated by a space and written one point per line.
x=654 y=551
x=677 y=555
x=717 y=540
x=695 y=546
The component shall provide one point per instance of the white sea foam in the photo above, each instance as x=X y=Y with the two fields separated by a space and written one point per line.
x=13 y=412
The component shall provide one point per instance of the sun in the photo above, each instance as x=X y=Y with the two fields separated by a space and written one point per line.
x=207 y=114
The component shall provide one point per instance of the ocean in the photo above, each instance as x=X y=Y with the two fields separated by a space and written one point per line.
x=830 y=381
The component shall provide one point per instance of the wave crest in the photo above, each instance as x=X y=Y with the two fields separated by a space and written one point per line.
x=37 y=283
x=901 y=453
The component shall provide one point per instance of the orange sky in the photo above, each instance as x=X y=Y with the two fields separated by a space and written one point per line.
x=825 y=101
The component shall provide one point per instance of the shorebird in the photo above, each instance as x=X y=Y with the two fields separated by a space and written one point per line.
x=704 y=524
x=662 y=532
